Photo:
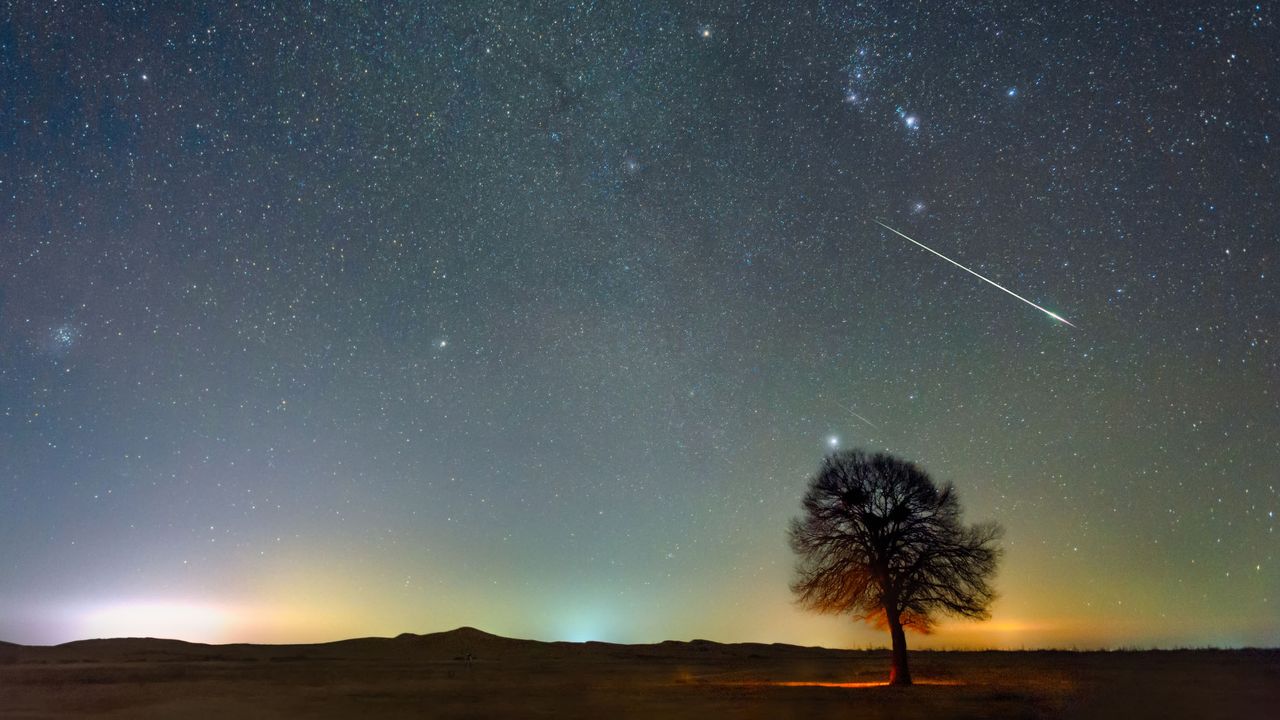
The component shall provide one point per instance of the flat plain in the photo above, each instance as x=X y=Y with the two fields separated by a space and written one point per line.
x=467 y=673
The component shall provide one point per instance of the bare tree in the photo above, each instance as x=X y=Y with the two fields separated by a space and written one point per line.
x=881 y=541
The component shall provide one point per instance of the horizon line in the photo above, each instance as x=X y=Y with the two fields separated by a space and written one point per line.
x=875 y=648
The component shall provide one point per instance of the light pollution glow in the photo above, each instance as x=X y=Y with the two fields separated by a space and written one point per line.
x=302 y=606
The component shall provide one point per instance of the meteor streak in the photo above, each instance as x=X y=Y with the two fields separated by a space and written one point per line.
x=849 y=410
x=985 y=279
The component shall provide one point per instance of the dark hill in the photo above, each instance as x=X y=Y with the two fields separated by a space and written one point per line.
x=466 y=644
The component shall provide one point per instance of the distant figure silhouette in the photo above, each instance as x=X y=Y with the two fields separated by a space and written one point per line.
x=881 y=541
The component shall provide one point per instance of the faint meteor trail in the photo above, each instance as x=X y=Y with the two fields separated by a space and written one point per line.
x=851 y=412
x=983 y=278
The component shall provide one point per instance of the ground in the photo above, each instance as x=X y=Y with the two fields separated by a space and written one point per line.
x=467 y=673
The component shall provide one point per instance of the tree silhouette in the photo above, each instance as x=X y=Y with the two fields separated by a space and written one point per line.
x=881 y=541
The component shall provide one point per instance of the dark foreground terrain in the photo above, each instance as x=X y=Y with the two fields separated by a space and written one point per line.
x=468 y=673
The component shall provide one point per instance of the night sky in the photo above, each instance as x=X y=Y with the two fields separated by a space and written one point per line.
x=336 y=319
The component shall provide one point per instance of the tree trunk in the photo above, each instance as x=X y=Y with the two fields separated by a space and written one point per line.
x=899 y=675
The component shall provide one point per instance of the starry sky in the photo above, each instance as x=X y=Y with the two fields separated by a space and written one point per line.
x=337 y=319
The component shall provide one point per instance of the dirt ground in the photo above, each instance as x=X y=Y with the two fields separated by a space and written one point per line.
x=469 y=674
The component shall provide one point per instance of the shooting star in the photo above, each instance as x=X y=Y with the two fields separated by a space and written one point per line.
x=983 y=278
x=851 y=412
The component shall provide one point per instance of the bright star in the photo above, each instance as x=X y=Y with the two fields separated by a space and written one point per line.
x=912 y=122
x=833 y=441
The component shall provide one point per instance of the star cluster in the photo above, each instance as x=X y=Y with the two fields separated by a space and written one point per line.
x=355 y=318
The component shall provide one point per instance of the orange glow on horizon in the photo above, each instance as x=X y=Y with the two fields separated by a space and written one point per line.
x=210 y=621
x=860 y=684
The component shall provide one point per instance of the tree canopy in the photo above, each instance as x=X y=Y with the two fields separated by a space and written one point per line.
x=881 y=541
